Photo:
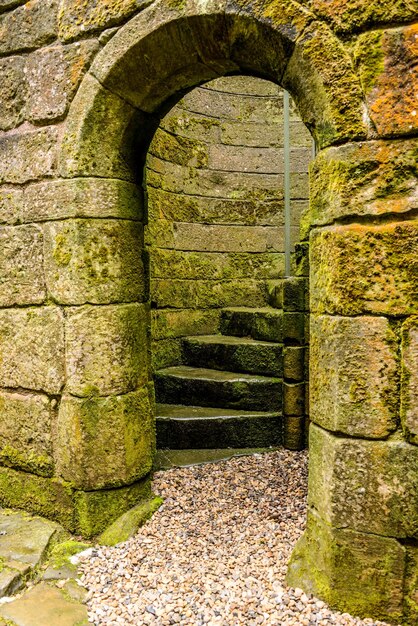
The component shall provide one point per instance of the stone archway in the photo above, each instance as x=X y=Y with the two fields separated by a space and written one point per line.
x=360 y=550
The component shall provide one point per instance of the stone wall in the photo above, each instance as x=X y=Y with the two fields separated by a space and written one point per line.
x=215 y=232
x=77 y=403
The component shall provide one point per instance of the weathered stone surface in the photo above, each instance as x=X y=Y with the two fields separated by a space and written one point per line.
x=53 y=75
x=246 y=159
x=32 y=349
x=105 y=442
x=294 y=398
x=21 y=266
x=360 y=573
x=253 y=209
x=178 y=149
x=29 y=26
x=25 y=432
x=367 y=178
x=11 y=205
x=200 y=294
x=409 y=381
x=165 y=353
x=243 y=86
x=42 y=605
x=94 y=261
x=225 y=238
x=7 y=5
x=368 y=486
x=365 y=269
x=294 y=432
x=106 y=349
x=127 y=524
x=27 y=155
x=166 y=323
x=78 y=197
x=388 y=68
x=263 y=323
x=214 y=265
x=96 y=510
x=354 y=375
x=411 y=583
x=24 y=538
x=100 y=136
x=326 y=90
x=183 y=123
x=293 y=363
x=76 y=19
x=48 y=497
x=12 y=92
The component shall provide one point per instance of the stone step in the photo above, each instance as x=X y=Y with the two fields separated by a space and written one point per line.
x=265 y=324
x=208 y=387
x=182 y=427
x=235 y=354
x=167 y=459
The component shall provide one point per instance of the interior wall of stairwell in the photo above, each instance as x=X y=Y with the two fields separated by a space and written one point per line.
x=215 y=187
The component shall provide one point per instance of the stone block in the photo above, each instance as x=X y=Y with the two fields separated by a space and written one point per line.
x=75 y=18
x=165 y=353
x=25 y=432
x=183 y=123
x=244 y=85
x=294 y=432
x=326 y=90
x=11 y=205
x=354 y=375
x=96 y=510
x=411 y=585
x=21 y=266
x=366 y=178
x=293 y=363
x=257 y=210
x=388 y=69
x=348 y=17
x=228 y=238
x=409 y=380
x=48 y=497
x=294 y=398
x=13 y=92
x=359 y=573
x=32 y=349
x=101 y=133
x=106 y=349
x=295 y=294
x=368 y=486
x=257 y=135
x=201 y=294
x=78 y=197
x=28 y=27
x=215 y=265
x=94 y=261
x=27 y=155
x=166 y=323
x=365 y=269
x=178 y=149
x=53 y=75
x=294 y=327
x=246 y=159
x=104 y=442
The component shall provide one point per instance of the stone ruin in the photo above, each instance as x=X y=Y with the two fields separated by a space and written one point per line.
x=83 y=87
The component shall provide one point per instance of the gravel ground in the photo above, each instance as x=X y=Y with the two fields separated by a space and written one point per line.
x=215 y=553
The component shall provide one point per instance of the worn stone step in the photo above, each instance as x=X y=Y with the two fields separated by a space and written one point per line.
x=208 y=387
x=235 y=354
x=166 y=459
x=184 y=427
x=265 y=324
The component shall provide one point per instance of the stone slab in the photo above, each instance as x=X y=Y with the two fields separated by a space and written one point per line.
x=409 y=382
x=365 y=269
x=21 y=266
x=29 y=26
x=27 y=155
x=26 y=432
x=13 y=91
x=106 y=349
x=94 y=261
x=167 y=323
x=11 y=204
x=32 y=349
x=368 y=486
x=24 y=538
x=354 y=375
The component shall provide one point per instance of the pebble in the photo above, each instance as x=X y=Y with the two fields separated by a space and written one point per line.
x=215 y=553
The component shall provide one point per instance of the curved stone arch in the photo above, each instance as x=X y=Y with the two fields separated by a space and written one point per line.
x=173 y=46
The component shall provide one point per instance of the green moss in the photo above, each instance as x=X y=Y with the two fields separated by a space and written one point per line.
x=127 y=525
x=369 y=57
x=62 y=252
x=30 y=462
x=61 y=553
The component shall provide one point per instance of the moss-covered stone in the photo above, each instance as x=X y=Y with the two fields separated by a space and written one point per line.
x=94 y=261
x=294 y=432
x=166 y=352
x=106 y=349
x=11 y=205
x=28 y=27
x=411 y=585
x=409 y=381
x=387 y=62
x=354 y=375
x=105 y=442
x=26 y=432
x=321 y=79
x=368 y=486
x=21 y=266
x=365 y=269
x=62 y=552
x=127 y=524
x=368 y=178
x=13 y=90
x=27 y=155
x=359 y=573
x=48 y=497
x=177 y=149
x=96 y=510
x=166 y=323
x=201 y=294
x=32 y=349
